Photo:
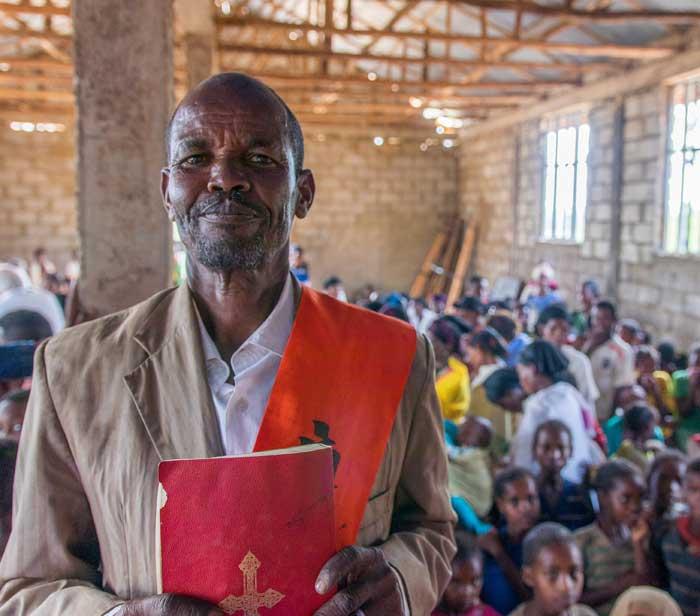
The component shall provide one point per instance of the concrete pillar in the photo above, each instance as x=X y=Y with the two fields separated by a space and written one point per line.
x=124 y=91
x=196 y=19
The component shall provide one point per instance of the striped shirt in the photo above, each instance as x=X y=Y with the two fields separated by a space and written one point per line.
x=603 y=562
x=683 y=572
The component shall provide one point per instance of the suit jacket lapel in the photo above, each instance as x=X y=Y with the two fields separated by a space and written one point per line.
x=169 y=388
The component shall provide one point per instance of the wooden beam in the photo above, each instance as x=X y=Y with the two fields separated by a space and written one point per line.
x=380 y=108
x=41 y=64
x=36 y=95
x=649 y=75
x=28 y=9
x=465 y=255
x=409 y=86
x=629 y=52
x=421 y=281
x=578 y=15
x=570 y=68
x=62 y=81
x=345 y=97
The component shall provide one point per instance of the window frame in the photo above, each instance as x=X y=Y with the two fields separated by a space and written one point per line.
x=547 y=126
x=667 y=154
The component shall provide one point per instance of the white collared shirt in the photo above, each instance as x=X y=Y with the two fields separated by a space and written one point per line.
x=240 y=407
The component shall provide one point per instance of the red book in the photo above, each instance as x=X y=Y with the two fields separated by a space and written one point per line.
x=248 y=533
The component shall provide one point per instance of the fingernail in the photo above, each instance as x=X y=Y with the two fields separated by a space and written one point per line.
x=322 y=585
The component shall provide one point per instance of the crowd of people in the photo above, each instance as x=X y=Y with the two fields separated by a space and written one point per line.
x=571 y=442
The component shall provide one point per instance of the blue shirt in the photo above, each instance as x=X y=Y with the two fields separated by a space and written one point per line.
x=497 y=591
x=573 y=509
x=516 y=347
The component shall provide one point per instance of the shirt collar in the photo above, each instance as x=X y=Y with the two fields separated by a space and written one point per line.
x=270 y=337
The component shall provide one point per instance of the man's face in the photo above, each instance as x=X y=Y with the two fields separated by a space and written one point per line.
x=230 y=185
x=603 y=320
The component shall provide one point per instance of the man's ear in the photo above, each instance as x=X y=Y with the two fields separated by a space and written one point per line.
x=306 y=188
x=528 y=576
x=164 y=182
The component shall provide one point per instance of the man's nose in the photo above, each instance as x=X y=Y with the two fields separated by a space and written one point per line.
x=225 y=176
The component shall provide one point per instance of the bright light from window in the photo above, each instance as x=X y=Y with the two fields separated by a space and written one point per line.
x=294 y=36
x=432 y=113
x=448 y=143
x=440 y=130
x=41 y=127
x=415 y=102
x=378 y=141
x=566 y=184
x=372 y=76
x=682 y=211
x=449 y=122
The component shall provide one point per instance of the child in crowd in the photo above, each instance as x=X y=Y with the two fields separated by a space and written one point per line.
x=553 y=568
x=665 y=485
x=686 y=387
x=638 y=425
x=471 y=485
x=461 y=597
x=680 y=547
x=614 y=547
x=657 y=384
x=625 y=398
x=518 y=503
x=561 y=500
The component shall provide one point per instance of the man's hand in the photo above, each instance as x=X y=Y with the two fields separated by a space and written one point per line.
x=169 y=605
x=366 y=584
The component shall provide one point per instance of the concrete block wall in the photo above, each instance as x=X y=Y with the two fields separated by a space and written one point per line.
x=37 y=194
x=660 y=291
x=377 y=209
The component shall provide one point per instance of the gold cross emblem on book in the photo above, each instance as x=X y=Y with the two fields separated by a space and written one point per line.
x=251 y=599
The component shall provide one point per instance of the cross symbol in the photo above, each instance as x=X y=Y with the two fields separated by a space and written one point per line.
x=251 y=599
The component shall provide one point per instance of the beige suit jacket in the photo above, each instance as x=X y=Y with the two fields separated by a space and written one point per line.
x=109 y=400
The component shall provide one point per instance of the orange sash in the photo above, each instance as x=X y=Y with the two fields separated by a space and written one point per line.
x=340 y=382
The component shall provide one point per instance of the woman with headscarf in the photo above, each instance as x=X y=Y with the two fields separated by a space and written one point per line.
x=551 y=395
x=452 y=374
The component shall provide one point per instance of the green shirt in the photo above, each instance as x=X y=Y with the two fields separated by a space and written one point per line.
x=603 y=562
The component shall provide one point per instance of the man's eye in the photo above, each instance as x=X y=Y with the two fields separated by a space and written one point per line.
x=193 y=160
x=260 y=159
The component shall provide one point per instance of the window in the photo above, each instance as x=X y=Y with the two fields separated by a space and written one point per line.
x=682 y=211
x=565 y=193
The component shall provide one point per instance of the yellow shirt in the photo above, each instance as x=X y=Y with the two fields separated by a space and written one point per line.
x=453 y=390
x=665 y=383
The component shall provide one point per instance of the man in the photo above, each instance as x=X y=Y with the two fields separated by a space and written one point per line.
x=231 y=362
x=298 y=265
x=611 y=357
x=553 y=326
x=589 y=295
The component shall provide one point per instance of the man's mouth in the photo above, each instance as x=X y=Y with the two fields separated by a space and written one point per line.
x=238 y=218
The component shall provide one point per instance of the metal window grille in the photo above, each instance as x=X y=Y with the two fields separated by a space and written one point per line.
x=682 y=207
x=565 y=194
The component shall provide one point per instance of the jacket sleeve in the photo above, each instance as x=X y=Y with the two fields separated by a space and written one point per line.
x=421 y=544
x=50 y=565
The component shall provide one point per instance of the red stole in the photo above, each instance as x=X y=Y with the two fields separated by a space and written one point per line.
x=340 y=381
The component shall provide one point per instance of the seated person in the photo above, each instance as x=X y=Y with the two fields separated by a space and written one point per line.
x=561 y=500
x=505 y=397
x=452 y=378
x=553 y=326
x=553 y=568
x=686 y=388
x=646 y=601
x=679 y=547
x=638 y=424
x=8 y=458
x=665 y=485
x=13 y=406
x=469 y=468
x=470 y=309
x=544 y=376
x=625 y=398
x=507 y=327
x=668 y=360
x=461 y=597
x=614 y=547
x=517 y=501
x=657 y=384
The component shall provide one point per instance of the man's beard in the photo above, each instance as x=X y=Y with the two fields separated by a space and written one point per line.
x=233 y=253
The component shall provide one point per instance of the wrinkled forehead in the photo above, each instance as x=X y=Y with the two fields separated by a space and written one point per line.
x=243 y=119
